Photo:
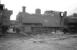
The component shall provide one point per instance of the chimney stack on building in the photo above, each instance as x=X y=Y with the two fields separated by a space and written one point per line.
x=38 y=11
x=23 y=9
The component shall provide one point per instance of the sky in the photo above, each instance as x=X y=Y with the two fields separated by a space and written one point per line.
x=57 y=5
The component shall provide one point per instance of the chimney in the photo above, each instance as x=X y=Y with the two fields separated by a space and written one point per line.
x=38 y=11
x=23 y=9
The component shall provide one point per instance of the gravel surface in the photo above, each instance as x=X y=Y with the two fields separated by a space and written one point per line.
x=39 y=42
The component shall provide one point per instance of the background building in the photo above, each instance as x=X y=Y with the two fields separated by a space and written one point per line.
x=5 y=15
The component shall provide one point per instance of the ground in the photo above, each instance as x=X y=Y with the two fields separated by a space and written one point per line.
x=38 y=42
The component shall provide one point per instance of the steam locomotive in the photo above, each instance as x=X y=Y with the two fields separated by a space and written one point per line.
x=43 y=23
x=71 y=23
